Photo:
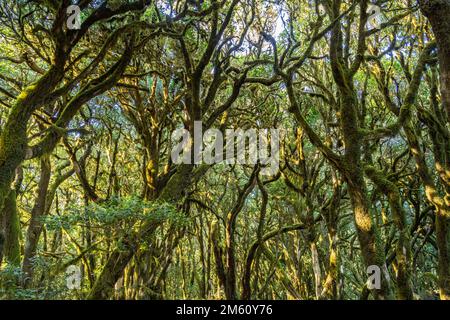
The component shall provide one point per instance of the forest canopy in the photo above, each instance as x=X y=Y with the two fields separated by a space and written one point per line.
x=225 y=149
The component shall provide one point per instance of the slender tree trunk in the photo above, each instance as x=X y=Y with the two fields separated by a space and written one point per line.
x=403 y=250
x=316 y=269
x=35 y=225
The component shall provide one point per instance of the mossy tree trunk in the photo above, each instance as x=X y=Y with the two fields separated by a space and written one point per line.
x=442 y=210
x=331 y=214
x=351 y=123
x=438 y=13
x=11 y=230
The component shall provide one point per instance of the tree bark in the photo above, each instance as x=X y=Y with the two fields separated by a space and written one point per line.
x=35 y=226
x=438 y=13
x=11 y=229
